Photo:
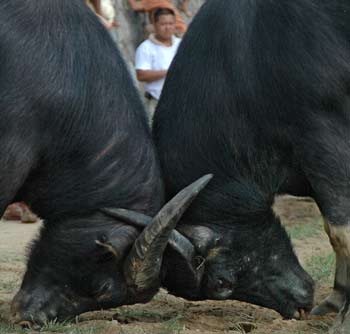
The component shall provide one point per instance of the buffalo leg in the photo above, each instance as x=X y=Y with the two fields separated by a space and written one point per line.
x=324 y=153
x=340 y=240
x=335 y=301
x=17 y=158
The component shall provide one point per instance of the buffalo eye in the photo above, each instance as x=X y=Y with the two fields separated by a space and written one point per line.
x=105 y=286
x=223 y=284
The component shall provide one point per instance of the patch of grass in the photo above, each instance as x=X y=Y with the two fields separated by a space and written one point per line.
x=9 y=286
x=321 y=268
x=54 y=327
x=95 y=329
x=323 y=328
x=171 y=326
x=129 y=313
x=12 y=257
x=245 y=324
x=74 y=328
x=292 y=331
x=7 y=329
x=237 y=328
x=305 y=230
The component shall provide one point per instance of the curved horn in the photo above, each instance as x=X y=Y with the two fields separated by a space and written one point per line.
x=201 y=237
x=128 y=216
x=142 y=265
x=177 y=241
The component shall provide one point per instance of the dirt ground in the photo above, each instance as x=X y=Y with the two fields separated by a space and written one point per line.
x=167 y=314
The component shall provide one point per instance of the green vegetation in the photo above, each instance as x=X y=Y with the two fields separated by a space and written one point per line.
x=243 y=328
x=93 y=329
x=55 y=328
x=171 y=326
x=320 y=328
x=9 y=286
x=306 y=230
x=6 y=329
x=321 y=268
x=136 y=314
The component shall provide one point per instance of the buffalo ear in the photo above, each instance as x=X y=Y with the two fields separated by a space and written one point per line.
x=118 y=241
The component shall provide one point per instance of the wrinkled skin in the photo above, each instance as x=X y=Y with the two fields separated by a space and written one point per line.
x=269 y=115
x=96 y=262
x=70 y=274
x=268 y=275
x=75 y=139
x=262 y=270
x=252 y=261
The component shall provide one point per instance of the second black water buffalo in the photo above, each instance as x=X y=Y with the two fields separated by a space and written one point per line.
x=74 y=139
x=258 y=95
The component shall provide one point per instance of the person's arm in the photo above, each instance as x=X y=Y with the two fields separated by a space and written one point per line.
x=136 y=5
x=143 y=65
x=150 y=75
x=105 y=22
x=97 y=6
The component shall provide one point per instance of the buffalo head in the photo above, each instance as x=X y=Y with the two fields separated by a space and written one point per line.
x=254 y=263
x=250 y=262
x=95 y=262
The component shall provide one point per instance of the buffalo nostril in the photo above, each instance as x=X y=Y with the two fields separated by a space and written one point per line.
x=17 y=319
x=303 y=294
x=302 y=297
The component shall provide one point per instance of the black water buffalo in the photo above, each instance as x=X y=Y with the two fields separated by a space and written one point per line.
x=258 y=94
x=74 y=139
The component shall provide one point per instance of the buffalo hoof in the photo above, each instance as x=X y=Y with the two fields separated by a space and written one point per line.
x=333 y=303
x=342 y=323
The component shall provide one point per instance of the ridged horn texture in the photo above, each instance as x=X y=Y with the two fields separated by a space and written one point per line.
x=142 y=265
x=177 y=241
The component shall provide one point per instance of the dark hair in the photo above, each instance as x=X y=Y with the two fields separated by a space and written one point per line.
x=162 y=11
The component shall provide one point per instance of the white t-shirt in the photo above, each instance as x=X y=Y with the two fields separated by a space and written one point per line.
x=154 y=56
x=108 y=10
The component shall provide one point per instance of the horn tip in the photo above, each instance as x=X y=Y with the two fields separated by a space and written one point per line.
x=203 y=181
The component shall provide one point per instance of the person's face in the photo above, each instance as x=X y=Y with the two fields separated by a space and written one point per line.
x=165 y=26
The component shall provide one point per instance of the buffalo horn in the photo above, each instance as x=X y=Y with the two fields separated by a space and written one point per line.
x=177 y=241
x=142 y=265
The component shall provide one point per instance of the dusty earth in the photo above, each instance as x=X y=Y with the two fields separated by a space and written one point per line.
x=167 y=314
